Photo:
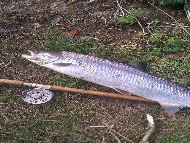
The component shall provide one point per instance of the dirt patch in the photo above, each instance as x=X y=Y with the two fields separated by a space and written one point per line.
x=68 y=118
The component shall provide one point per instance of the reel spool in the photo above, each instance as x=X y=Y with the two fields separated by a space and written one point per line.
x=37 y=95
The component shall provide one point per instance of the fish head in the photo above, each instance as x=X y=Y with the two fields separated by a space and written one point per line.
x=42 y=57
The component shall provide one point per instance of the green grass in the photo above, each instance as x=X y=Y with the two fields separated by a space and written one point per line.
x=40 y=126
x=131 y=19
x=173 y=139
x=172 y=43
x=176 y=3
x=61 y=120
x=86 y=46
x=68 y=116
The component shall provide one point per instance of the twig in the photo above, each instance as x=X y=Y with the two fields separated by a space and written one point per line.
x=150 y=130
x=104 y=19
x=103 y=139
x=171 y=18
x=97 y=126
x=115 y=137
x=123 y=14
x=148 y=27
x=118 y=133
x=187 y=10
x=91 y=92
x=139 y=23
x=51 y=121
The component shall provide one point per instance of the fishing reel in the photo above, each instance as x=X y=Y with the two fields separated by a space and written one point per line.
x=37 y=95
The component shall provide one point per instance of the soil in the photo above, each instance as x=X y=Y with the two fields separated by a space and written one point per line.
x=21 y=21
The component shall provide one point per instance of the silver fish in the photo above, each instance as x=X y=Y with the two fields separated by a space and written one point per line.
x=124 y=78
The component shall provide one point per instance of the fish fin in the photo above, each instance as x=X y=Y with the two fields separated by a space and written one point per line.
x=62 y=64
x=139 y=64
x=170 y=108
x=121 y=91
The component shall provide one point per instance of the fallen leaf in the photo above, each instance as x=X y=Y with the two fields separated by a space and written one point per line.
x=37 y=25
x=14 y=17
x=71 y=1
x=74 y=32
x=69 y=25
x=21 y=37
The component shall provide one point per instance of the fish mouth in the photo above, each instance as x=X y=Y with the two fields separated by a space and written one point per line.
x=30 y=55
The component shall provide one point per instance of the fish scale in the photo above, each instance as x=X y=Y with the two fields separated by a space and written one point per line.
x=121 y=77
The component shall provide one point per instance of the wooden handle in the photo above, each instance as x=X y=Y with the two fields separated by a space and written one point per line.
x=91 y=92
x=14 y=82
x=98 y=93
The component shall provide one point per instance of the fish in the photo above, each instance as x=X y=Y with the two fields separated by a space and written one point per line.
x=130 y=78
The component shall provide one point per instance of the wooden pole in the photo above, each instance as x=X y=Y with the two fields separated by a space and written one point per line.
x=91 y=92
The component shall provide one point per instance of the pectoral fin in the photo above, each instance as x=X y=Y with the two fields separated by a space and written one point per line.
x=121 y=91
x=171 y=108
x=62 y=64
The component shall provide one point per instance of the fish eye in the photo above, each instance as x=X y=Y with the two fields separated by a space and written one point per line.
x=29 y=53
x=37 y=52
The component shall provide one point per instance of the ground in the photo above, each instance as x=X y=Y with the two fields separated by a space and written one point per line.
x=89 y=27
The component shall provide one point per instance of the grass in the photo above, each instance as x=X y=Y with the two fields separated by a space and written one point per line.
x=168 y=64
x=39 y=127
x=68 y=117
x=175 y=42
x=172 y=139
x=60 y=120
x=84 y=46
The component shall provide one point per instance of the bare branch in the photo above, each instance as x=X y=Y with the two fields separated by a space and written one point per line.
x=118 y=133
x=171 y=18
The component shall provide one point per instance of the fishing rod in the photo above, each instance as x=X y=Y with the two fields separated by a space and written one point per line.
x=42 y=93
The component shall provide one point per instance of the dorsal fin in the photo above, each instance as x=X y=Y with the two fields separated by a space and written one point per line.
x=142 y=65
